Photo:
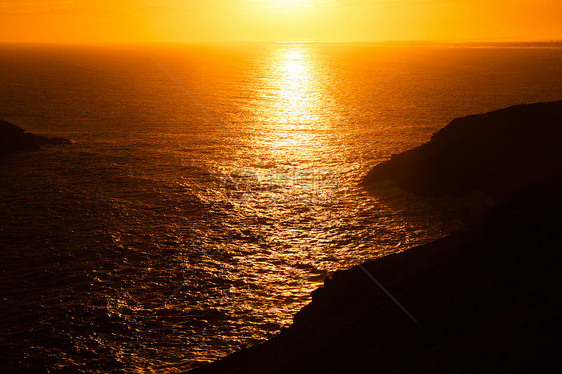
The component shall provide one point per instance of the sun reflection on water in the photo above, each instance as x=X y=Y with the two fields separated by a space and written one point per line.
x=291 y=131
x=294 y=78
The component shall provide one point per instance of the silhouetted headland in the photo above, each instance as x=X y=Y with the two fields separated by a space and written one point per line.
x=500 y=152
x=486 y=300
x=13 y=138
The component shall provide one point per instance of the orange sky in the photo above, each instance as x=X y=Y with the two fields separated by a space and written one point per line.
x=278 y=20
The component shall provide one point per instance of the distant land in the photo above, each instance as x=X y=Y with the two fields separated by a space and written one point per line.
x=430 y=43
x=498 y=44
x=485 y=300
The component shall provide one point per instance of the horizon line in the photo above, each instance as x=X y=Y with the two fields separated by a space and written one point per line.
x=226 y=42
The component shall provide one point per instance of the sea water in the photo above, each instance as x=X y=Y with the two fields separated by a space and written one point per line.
x=210 y=189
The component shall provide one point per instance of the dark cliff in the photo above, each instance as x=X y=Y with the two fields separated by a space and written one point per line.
x=500 y=152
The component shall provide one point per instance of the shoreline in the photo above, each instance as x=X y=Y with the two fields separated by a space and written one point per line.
x=486 y=298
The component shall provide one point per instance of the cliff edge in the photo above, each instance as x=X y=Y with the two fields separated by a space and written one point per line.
x=500 y=153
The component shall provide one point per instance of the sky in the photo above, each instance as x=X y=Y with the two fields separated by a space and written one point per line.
x=199 y=21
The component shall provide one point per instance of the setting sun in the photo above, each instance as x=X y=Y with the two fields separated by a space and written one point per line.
x=287 y=5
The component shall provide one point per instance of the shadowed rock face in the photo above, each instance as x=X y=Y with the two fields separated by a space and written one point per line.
x=500 y=152
x=13 y=138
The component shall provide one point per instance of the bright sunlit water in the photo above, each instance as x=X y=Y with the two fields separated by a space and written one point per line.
x=209 y=190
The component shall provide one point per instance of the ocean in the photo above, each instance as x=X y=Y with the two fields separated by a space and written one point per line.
x=210 y=189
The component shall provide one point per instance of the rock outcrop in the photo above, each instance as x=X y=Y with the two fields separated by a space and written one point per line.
x=14 y=138
x=501 y=153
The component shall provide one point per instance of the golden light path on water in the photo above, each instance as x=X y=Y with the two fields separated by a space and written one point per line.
x=286 y=182
x=294 y=104
x=294 y=129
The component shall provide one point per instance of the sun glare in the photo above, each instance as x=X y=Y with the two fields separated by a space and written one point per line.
x=286 y=5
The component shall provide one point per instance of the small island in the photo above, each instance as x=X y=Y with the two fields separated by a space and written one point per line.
x=484 y=300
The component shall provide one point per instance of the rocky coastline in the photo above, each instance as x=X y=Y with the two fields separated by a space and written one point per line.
x=487 y=299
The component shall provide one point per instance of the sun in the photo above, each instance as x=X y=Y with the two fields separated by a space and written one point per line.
x=286 y=5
